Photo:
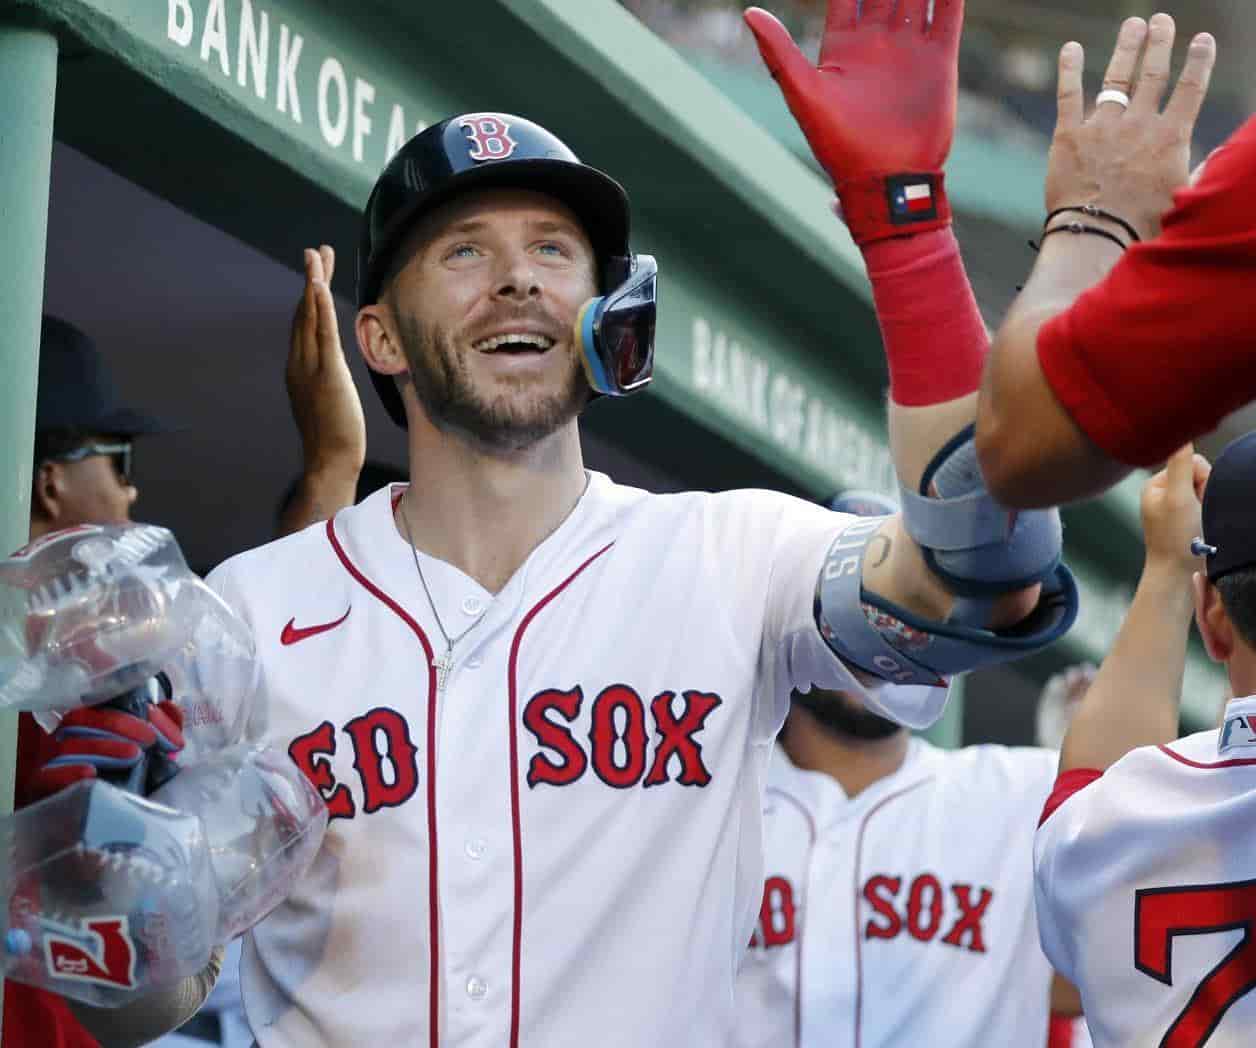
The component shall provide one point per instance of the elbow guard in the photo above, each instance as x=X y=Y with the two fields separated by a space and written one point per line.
x=979 y=549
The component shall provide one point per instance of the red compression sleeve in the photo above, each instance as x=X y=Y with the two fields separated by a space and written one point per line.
x=1161 y=350
x=935 y=340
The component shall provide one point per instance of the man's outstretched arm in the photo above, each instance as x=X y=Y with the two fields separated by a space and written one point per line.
x=1081 y=385
x=953 y=568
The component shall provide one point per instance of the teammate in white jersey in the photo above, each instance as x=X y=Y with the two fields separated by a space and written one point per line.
x=898 y=902
x=1144 y=860
x=540 y=705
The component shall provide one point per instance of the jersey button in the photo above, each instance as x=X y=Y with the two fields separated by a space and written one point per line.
x=474 y=662
x=476 y=848
x=472 y=606
x=476 y=988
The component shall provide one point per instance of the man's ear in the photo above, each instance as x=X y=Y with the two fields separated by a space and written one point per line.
x=378 y=340
x=1215 y=628
x=48 y=492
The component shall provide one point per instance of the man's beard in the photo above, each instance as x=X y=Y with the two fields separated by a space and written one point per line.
x=844 y=716
x=443 y=385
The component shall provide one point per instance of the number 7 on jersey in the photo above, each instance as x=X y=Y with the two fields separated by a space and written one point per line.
x=1160 y=914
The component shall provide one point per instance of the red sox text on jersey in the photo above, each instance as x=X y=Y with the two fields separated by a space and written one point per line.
x=920 y=907
x=581 y=782
x=618 y=752
x=876 y=904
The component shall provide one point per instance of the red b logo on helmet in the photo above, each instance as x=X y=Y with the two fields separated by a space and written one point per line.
x=489 y=135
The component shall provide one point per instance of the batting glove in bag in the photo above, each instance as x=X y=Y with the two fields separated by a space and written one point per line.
x=112 y=744
x=879 y=109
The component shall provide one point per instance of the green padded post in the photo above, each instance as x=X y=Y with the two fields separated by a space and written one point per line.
x=28 y=85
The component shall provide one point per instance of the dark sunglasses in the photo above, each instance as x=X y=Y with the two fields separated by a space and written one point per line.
x=120 y=453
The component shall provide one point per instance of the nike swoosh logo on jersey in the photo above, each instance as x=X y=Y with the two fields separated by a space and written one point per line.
x=292 y=633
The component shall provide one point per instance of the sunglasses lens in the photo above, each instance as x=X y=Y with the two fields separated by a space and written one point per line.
x=122 y=463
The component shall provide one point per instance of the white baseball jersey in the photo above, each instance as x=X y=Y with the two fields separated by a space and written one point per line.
x=903 y=915
x=1145 y=889
x=560 y=844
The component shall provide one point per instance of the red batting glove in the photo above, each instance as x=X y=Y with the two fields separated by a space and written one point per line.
x=879 y=110
x=94 y=739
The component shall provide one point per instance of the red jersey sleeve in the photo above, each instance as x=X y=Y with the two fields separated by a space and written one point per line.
x=1165 y=347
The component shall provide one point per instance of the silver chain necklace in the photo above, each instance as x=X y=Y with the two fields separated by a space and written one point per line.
x=445 y=663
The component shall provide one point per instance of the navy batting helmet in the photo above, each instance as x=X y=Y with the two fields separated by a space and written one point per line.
x=497 y=150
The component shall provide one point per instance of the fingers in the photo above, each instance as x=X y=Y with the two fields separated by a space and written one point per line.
x=948 y=20
x=785 y=62
x=1120 y=73
x=328 y=326
x=1202 y=470
x=1180 y=467
x=1071 y=98
x=47 y=781
x=1153 y=80
x=1192 y=86
x=174 y=711
x=169 y=734
x=841 y=17
x=101 y=721
x=878 y=12
x=327 y=254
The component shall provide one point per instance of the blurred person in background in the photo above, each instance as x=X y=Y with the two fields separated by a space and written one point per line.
x=898 y=903
x=1059 y=699
x=81 y=475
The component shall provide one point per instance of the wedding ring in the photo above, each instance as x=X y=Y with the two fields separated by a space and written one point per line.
x=1112 y=95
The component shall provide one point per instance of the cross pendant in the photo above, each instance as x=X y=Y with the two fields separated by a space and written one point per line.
x=443 y=665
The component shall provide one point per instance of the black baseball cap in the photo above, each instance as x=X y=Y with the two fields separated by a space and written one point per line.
x=76 y=391
x=1229 y=510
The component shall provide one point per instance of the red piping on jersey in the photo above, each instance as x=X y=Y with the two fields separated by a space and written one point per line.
x=513 y=691
x=432 y=910
x=1233 y=762
x=1067 y=783
x=863 y=824
x=799 y=925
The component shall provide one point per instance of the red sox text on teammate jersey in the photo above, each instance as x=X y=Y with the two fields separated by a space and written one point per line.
x=1146 y=896
x=563 y=846
x=903 y=916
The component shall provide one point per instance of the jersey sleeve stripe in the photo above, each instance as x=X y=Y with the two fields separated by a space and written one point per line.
x=1233 y=762
x=1067 y=784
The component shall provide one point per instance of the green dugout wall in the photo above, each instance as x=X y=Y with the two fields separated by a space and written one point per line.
x=268 y=118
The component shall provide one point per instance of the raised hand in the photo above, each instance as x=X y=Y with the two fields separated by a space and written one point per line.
x=882 y=100
x=1129 y=160
x=1171 y=506
x=325 y=402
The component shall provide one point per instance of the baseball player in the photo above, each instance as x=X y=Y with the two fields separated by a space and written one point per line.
x=1143 y=863
x=1112 y=358
x=898 y=899
x=540 y=705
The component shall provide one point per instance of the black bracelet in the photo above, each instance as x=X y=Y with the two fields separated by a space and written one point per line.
x=1079 y=228
x=1096 y=212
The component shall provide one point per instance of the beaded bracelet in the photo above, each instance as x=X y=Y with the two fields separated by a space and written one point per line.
x=1077 y=229
x=1095 y=212
x=1080 y=228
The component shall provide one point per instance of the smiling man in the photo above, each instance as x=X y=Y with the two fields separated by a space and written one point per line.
x=539 y=704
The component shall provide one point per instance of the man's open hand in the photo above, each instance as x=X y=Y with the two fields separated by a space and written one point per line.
x=1129 y=161
x=882 y=99
x=325 y=402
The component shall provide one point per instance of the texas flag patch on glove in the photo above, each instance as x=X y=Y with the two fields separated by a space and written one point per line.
x=912 y=199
